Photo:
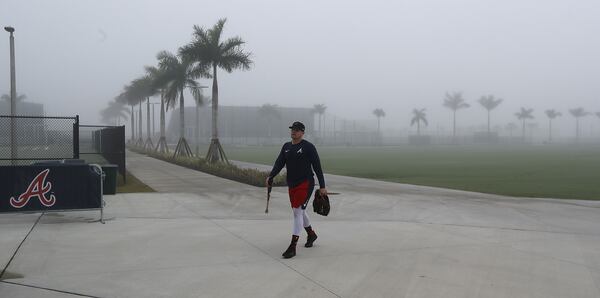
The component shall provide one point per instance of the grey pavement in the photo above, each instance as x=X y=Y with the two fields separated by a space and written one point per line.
x=203 y=236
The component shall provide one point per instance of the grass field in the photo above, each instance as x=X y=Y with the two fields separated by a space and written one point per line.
x=570 y=172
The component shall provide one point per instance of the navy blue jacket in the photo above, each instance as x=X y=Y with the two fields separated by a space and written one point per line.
x=298 y=160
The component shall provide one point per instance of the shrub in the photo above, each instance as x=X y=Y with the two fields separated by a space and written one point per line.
x=232 y=172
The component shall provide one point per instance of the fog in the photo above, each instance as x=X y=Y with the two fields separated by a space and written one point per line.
x=353 y=56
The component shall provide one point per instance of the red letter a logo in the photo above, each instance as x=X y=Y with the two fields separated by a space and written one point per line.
x=37 y=188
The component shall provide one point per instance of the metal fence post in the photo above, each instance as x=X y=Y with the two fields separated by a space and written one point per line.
x=76 y=138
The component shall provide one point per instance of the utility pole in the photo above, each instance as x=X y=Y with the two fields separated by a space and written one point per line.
x=13 y=96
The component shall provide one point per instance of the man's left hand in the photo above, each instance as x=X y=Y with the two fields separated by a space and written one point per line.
x=323 y=191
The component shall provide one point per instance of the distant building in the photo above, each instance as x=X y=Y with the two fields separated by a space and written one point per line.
x=24 y=108
x=29 y=131
x=240 y=125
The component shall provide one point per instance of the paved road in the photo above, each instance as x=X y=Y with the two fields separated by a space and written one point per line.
x=203 y=236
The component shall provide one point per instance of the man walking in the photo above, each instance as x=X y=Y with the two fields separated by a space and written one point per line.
x=300 y=159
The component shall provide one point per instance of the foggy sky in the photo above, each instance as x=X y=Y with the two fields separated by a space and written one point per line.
x=353 y=56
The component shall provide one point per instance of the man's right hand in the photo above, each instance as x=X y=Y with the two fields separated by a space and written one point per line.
x=269 y=181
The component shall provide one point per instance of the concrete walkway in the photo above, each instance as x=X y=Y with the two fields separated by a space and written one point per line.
x=203 y=236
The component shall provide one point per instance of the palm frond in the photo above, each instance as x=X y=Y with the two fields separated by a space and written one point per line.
x=207 y=49
x=215 y=32
x=455 y=101
x=235 y=60
x=578 y=112
x=489 y=102
x=552 y=114
x=524 y=114
x=197 y=94
x=200 y=70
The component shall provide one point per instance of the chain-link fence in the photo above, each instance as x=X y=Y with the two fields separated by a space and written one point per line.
x=107 y=142
x=25 y=139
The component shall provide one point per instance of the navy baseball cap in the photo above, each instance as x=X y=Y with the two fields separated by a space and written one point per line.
x=297 y=125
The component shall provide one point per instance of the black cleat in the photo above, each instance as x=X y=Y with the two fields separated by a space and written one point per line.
x=290 y=252
x=310 y=239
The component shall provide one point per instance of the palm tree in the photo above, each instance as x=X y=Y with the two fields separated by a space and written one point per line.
x=523 y=115
x=124 y=98
x=578 y=113
x=139 y=90
x=148 y=145
x=115 y=111
x=200 y=100
x=20 y=97
x=209 y=51
x=132 y=99
x=178 y=73
x=551 y=115
x=159 y=84
x=320 y=110
x=379 y=113
x=418 y=116
x=269 y=112
x=455 y=102
x=489 y=103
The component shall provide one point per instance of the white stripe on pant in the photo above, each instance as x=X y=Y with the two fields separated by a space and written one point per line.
x=300 y=220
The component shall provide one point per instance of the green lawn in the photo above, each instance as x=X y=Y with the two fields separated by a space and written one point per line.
x=570 y=172
x=133 y=185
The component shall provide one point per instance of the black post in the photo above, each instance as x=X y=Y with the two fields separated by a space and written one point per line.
x=76 y=138
x=121 y=139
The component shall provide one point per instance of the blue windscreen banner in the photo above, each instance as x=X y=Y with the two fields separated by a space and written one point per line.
x=51 y=187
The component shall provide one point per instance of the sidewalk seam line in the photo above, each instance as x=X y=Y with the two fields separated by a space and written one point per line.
x=20 y=244
x=48 y=289
x=261 y=250
x=278 y=260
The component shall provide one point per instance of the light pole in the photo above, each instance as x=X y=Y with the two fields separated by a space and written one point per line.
x=13 y=95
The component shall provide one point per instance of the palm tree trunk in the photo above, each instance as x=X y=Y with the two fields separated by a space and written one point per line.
x=181 y=115
x=162 y=116
x=550 y=131
x=523 y=130
x=488 y=122
x=215 y=151
x=378 y=124
x=324 y=124
x=161 y=146
x=182 y=149
x=148 y=144
x=577 y=129
x=140 y=141
x=320 y=130
x=148 y=117
x=215 y=104
x=454 y=125
x=132 y=125
x=140 y=121
x=197 y=130
x=418 y=127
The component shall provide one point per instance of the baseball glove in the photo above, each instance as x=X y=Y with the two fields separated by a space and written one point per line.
x=321 y=204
